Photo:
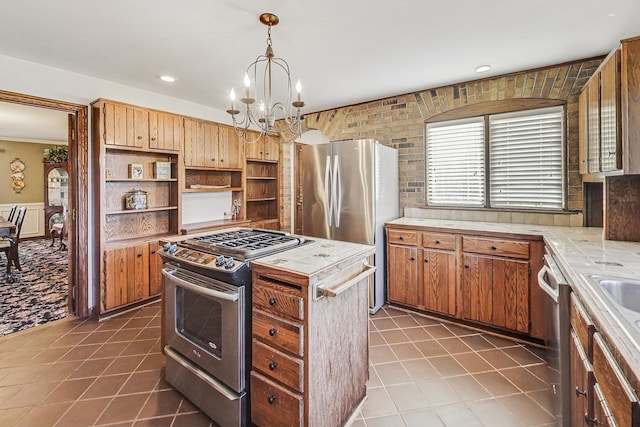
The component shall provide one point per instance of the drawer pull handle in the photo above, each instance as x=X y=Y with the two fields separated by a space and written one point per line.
x=272 y=366
x=437 y=242
x=272 y=331
x=271 y=399
x=494 y=248
x=413 y=258
x=272 y=301
x=426 y=260
x=466 y=266
x=590 y=421
x=578 y=392
x=401 y=238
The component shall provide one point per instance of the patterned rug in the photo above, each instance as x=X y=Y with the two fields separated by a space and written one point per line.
x=39 y=294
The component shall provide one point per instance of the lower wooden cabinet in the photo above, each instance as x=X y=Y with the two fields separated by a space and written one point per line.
x=581 y=384
x=131 y=274
x=403 y=267
x=495 y=291
x=489 y=280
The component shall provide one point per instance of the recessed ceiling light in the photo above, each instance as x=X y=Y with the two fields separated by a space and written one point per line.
x=483 y=68
x=168 y=79
x=612 y=14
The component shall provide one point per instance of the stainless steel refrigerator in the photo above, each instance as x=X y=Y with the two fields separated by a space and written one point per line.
x=349 y=190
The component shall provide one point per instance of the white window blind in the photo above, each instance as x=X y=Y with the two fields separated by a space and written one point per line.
x=455 y=163
x=525 y=152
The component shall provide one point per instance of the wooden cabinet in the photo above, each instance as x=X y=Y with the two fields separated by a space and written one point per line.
x=212 y=145
x=56 y=194
x=125 y=239
x=166 y=131
x=308 y=350
x=266 y=148
x=609 y=113
x=262 y=194
x=601 y=395
x=484 y=279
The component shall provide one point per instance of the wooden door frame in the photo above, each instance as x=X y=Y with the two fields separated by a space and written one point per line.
x=78 y=216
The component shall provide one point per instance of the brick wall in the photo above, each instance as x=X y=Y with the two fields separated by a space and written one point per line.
x=399 y=121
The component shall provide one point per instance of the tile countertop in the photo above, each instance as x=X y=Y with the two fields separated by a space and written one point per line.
x=579 y=252
x=315 y=256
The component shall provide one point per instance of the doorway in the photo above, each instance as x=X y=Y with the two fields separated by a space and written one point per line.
x=77 y=215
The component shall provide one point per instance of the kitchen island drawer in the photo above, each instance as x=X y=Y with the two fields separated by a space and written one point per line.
x=277 y=300
x=439 y=241
x=284 y=368
x=496 y=247
x=278 y=332
x=401 y=237
x=274 y=405
x=615 y=387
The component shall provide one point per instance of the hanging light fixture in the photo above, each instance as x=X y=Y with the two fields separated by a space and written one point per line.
x=261 y=115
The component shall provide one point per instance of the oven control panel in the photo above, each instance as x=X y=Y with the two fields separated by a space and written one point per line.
x=202 y=259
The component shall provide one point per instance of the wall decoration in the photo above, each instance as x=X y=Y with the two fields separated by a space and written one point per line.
x=17 y=175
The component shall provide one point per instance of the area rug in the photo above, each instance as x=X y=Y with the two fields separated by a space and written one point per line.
x=39 y=294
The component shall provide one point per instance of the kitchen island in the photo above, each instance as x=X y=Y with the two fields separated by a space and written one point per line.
x=606 y=356
x=310 y=357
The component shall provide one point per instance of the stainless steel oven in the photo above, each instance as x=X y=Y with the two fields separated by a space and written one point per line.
x=207 y=301
x=205 y=329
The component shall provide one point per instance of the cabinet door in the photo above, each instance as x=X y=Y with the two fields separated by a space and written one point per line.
x=271 y=149
x=594 y=124
x=496 y=291
x=254 y=150
x=581 y=382
x=583 y=116
x=155 y=269
x=477 y=298
x=602 y=416
x=116 y=276
x=510 y=294
x=166 y=131
x=610 y=134
x=138 y=263
x=230 y=149
x=123 y=125
x=438 y=281
x=403 y=274
x=201 y=144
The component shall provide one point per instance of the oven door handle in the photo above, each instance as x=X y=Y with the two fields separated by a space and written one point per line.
x=207 y=292
x=321 y=291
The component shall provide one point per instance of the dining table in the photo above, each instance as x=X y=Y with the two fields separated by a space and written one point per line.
x=6 y=228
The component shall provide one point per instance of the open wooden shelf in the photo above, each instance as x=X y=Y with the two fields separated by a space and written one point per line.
x=210 y=190
x=139 y=211
x=140 y=180
x=264 y=199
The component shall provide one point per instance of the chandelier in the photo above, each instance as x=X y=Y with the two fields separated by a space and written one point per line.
x=258 y=85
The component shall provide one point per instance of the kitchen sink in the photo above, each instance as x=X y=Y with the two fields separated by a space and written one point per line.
x=623 y=292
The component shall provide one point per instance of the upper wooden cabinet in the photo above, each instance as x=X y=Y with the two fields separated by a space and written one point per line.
x=266 y=148
x=209 y=144
x=609 y=113
x=136 y=127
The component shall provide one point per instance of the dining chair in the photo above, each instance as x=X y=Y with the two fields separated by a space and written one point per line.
x=9 y=244
x=12 y=213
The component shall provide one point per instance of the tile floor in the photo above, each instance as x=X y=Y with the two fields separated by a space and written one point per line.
x=423 y=373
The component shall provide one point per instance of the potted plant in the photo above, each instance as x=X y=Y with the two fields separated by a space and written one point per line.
x=57 y=154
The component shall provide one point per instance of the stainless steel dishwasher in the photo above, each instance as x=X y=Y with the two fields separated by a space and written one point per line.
x=553 y=283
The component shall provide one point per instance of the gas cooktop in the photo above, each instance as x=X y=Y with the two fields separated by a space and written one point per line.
x=226 y=255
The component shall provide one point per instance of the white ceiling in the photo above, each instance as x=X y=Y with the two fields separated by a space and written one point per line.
x=344 y=52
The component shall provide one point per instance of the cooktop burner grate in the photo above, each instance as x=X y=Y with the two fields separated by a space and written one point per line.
x=245 y=244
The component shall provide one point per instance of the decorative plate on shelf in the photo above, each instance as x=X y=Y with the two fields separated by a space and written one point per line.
x=17 y=165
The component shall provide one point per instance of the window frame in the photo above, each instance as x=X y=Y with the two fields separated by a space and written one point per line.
x=485 y=110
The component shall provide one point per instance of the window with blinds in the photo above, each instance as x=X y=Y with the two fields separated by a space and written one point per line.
x=524 y=161
x=455 y=163
x=525 y=152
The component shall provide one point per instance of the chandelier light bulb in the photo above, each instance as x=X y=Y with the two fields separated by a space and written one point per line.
x=298 y=89
x=232 y=95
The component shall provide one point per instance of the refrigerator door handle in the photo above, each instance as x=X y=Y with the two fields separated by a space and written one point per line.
x=336 y=193
x=328 y=202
